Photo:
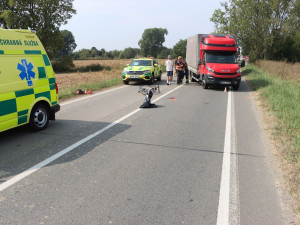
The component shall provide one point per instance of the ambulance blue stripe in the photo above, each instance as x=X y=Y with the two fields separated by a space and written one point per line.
x=24 y=92
x=43 y=94
x=1 y=52
x=51 y=80
x=42 y=72
x=8 y=107
x=22 y=119
x=52 y=86
x=32 y=52
x=46 y=60
x=22 y=113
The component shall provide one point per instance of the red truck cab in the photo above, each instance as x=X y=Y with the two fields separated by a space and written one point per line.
x=218 y=64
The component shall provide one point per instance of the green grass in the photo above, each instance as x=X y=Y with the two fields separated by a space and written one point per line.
x=282 y=99
x=68 y=92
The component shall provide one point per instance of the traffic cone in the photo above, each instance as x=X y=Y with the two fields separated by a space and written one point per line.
x=225 y=90
x=90 y=91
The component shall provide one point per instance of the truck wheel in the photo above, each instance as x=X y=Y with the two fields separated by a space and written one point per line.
x=191 y=76
x=159 y=77
x=39 y=117
x=126 y=82
x=204 y=84
x=236 y=87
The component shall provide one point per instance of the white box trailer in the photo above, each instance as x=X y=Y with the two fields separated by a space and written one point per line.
x=193 y=53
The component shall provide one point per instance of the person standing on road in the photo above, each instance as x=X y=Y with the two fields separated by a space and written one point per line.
x=169 y=69
x=179 y=69
x=186 y=72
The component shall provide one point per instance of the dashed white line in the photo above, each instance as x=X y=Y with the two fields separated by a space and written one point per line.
x=35 y=168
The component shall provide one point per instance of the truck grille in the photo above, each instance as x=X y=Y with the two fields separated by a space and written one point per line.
x=225 y=74
x=135 y=72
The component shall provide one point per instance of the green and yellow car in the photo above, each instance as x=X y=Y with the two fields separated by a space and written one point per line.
x=142 y=70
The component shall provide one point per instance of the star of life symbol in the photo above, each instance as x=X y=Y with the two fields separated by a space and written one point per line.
x=26 y=71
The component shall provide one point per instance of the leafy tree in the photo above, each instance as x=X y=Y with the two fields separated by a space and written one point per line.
x=4 y=6
x=44 y=16
x=122 y=55
x=130 y=53
x=69 y=43
x=108 y=55
x=94 y=52
x=152 y=41
x=179 y=48
x=261 y=26
x=164 y=53
x=84 y=54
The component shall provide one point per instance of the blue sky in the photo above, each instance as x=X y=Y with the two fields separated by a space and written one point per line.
x=118 y=24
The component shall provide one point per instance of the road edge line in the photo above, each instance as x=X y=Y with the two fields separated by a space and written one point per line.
x=47 y=161
x=224 y=198
x=91 y=96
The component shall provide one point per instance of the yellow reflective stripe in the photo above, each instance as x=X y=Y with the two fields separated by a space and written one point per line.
x=43 y=82
x=14 y=52
x=7 y=96
x=54 y=96
x=41 y=89
x=9 y=124
x=8 y=117
x=23 y=103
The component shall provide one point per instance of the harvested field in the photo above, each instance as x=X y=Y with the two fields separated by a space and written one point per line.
x=67 y=80
x=114 y=64
x=71 y=79
x=282 y=69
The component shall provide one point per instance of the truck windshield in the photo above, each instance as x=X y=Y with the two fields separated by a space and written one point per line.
x=221 y=57
x=141 y=63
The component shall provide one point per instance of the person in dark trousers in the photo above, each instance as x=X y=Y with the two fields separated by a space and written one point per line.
x=179 y=66
x=186 y=72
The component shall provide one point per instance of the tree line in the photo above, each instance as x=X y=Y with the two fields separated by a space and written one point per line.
x=46 y=17
x=265 y=29
x=151 y=44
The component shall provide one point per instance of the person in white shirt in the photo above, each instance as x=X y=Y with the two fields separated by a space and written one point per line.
x=169 y=69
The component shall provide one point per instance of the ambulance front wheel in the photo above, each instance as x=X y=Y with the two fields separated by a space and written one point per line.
x=39 y=117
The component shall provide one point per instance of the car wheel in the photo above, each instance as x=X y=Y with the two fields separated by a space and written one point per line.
x=39 y=117
x=126 y=82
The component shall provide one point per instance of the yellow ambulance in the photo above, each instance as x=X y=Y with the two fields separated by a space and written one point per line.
x=28 y=89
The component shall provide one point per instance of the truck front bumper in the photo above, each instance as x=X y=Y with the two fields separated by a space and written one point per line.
x=211 y=80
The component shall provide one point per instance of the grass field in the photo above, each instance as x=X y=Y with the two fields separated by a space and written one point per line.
x=280 y=94
x=68 y=83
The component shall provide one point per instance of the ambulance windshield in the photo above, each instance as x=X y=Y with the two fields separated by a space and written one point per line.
x=141 y=63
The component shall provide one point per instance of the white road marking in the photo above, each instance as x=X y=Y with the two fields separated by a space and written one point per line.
x=35 y=168
x=224 y=199
x=91 y=96
x=234 y=207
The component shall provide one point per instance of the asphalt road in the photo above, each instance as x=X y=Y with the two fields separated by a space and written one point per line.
x=198 y=158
